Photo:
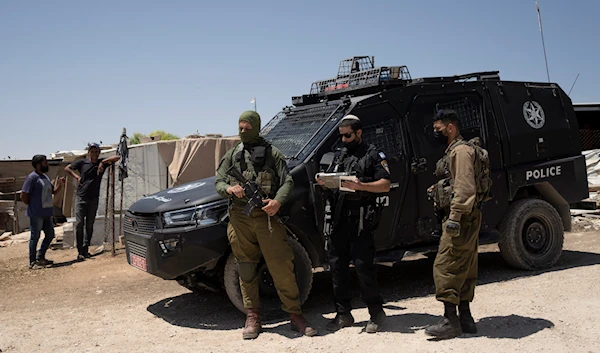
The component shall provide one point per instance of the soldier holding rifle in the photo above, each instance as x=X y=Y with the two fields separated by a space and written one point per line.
x=254 y=231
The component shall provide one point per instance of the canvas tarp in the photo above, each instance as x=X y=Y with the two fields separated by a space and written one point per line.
x=194 y=159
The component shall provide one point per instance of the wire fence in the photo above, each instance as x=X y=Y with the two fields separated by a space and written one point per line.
x=590 y=139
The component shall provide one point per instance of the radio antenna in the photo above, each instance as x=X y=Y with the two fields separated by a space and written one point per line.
x=569 y=94
x=537 y=7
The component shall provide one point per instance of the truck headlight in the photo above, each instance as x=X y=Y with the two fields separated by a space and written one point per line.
x=203 y=215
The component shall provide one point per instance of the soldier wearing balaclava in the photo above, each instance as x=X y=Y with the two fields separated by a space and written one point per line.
x=258 y=233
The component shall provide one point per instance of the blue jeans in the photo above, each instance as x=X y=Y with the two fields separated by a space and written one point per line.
x=37 y=225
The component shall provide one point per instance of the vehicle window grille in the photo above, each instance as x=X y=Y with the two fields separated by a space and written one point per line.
x=468 y=113
x=386 y=136
x=297 y=131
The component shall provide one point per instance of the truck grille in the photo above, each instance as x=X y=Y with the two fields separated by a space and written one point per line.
x=139 y=225
x=136 y=249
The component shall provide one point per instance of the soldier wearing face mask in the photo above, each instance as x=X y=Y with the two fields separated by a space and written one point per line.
x=354 y=220
x=259 y=234
x=464 y=185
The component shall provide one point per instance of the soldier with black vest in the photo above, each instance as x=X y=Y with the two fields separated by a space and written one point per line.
x=458 y=195
x=355 y=218
x=259 y=233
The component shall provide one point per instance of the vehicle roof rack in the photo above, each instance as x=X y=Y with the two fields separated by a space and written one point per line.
x=358 y=76
x=360 y=72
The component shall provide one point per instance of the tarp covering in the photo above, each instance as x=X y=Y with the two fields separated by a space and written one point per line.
x=195 y=159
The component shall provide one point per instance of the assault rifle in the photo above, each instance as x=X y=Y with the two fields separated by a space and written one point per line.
x=252 y=190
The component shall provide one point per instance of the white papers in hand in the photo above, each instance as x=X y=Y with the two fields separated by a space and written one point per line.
x=334 y=180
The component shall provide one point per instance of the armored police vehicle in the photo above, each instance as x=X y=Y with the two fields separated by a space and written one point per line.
x=528 y=128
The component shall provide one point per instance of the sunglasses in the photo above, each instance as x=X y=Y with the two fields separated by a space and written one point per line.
x=347 y=135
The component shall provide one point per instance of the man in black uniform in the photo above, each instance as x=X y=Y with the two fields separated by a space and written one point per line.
x=91 y=170
x=355 y=218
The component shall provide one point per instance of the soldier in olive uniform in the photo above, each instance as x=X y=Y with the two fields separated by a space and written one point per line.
x=354 y=220
x=455 y=266
x=259 y=233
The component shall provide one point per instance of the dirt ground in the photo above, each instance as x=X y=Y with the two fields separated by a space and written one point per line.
x=105 y=305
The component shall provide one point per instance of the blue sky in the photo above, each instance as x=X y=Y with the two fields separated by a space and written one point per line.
x=79 y=71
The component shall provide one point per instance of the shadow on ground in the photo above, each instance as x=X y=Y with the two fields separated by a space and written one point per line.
x=408 y=279
x=513 y=326
x=71 y=262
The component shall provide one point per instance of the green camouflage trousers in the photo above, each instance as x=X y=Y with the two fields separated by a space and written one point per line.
x=250 y=238
x=455 y=266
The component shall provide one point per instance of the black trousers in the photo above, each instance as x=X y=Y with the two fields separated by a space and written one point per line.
x=347 y=244
x=85 y=215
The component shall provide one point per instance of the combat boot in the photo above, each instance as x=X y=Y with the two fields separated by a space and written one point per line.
x=300 y=324
x=376 y=322
x=340 y=321
x=467 y=323
x=253 y=325
x=448 y=327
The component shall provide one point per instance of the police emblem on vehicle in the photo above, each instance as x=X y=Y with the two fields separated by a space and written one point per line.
x=185 y=188
x=534 y=114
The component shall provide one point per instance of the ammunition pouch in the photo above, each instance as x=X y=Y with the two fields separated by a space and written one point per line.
x=441 y=193
x=258 y=156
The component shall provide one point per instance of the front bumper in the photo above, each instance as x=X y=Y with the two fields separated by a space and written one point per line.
x=190 y=247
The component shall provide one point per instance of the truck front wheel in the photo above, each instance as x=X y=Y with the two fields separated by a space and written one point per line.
x=532 y=235
x=269 y=300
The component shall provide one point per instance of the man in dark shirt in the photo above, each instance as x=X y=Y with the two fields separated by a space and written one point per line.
x=37 y=193
x=355 y=219
x=91 y=170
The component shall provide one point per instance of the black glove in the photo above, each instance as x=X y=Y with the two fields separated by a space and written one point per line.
x=452 y=228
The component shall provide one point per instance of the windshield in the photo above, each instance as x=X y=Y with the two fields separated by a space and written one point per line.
x=297 y=131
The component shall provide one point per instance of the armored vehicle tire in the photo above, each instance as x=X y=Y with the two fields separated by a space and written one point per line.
x=269 y=301
x=532 y=235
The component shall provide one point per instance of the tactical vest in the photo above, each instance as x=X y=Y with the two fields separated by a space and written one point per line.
x=257 y=165
x=443 y=190
x=358 y=167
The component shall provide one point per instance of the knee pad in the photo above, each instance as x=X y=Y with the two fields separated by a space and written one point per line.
x=247 y=271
